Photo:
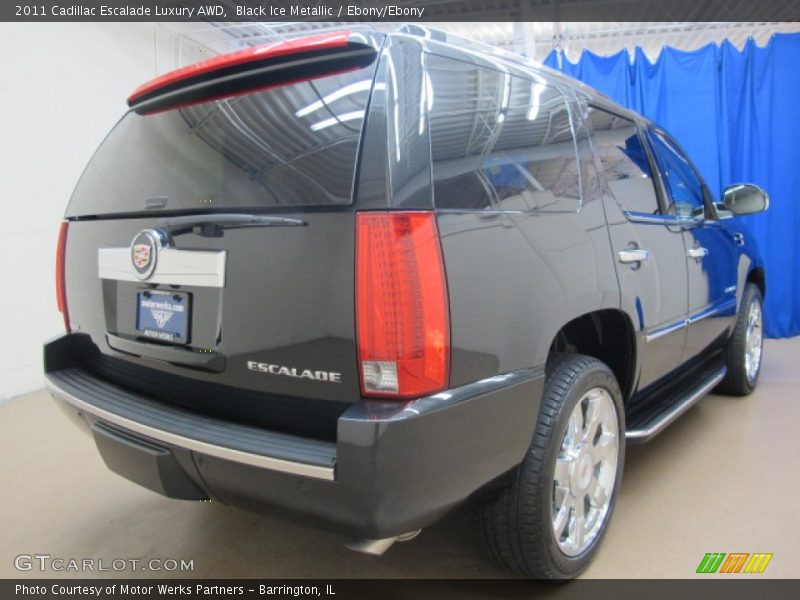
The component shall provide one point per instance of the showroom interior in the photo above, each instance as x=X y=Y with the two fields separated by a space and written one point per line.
x=722 y=478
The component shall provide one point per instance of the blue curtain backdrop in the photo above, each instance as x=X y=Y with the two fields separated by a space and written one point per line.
x=737 y=114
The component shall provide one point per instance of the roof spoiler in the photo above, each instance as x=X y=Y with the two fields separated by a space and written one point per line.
x=260 y=67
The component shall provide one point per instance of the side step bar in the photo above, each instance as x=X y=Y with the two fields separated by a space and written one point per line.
x=644 y=432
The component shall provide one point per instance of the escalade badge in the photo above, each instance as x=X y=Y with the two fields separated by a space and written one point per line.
x=144 y=251
x=329 y=376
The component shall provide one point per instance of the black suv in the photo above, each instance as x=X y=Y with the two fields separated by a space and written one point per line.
x=362 y=278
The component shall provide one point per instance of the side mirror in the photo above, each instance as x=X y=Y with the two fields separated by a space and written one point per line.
x=745 y=199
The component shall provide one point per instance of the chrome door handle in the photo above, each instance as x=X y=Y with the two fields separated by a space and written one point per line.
x=633 y=255
x=697 y=252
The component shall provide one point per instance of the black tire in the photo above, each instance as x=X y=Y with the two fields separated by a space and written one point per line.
x=736 y=382
x=516 y=528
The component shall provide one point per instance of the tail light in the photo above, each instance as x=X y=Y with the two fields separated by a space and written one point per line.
x=61 y=287
x=402 y=315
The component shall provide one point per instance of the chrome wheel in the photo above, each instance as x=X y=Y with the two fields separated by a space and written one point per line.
x=753 y=341
x=585 y=472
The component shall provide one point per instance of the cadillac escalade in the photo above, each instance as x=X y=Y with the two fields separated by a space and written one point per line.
x=363 y=278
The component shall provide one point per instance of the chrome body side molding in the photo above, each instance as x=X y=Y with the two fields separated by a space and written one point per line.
x=669 y=220
x=729 y=304
x=654 y=334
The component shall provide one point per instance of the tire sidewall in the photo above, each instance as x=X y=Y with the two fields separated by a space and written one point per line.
x=737 y=382
x=753 y=295
x=597 y=375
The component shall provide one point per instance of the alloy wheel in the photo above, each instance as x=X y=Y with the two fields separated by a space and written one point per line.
x=585 y=472
x=753 y=340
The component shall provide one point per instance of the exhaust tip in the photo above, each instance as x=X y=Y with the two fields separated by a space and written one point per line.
x=379 y=547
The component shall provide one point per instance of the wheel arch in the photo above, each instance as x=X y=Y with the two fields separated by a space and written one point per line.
x=759 y=278
x=606 y=334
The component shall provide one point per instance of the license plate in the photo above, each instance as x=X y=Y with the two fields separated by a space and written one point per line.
x=163 y=315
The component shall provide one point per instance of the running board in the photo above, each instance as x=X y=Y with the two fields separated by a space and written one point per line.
x=644 y=432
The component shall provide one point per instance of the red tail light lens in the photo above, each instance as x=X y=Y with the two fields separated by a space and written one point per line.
x=61 y=287
x=401 y=305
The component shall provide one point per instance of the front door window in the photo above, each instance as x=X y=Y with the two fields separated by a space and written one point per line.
x=683 y=185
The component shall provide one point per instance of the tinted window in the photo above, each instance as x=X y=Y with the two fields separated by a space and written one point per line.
x=290 y=146
x=683 y=185
x=499 y=141
x=395 y=167
x=624 y=163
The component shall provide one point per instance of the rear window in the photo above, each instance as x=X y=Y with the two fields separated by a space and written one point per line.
x=292 y=146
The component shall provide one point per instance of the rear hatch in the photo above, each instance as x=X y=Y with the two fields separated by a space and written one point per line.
x=210 y=245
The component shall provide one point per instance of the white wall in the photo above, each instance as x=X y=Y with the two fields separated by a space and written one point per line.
x=62 y=87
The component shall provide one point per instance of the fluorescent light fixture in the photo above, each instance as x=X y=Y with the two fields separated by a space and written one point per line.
x=506 y=91
x=395 y=106
x=356 y=114
x=353 y=88
x=426 y=95
x=536 y=97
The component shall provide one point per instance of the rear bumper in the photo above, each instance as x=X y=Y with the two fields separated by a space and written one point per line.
x=395 y=467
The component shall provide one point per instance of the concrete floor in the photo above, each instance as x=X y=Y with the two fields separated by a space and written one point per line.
x=724 y=478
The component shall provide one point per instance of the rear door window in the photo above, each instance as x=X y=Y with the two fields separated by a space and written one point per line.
x=499 y=141
x=624 y=164
x=291 y=146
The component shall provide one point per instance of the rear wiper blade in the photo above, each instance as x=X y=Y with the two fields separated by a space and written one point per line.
x=214 y=225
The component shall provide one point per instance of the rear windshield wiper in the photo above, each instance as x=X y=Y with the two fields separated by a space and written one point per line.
x=215 y=225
